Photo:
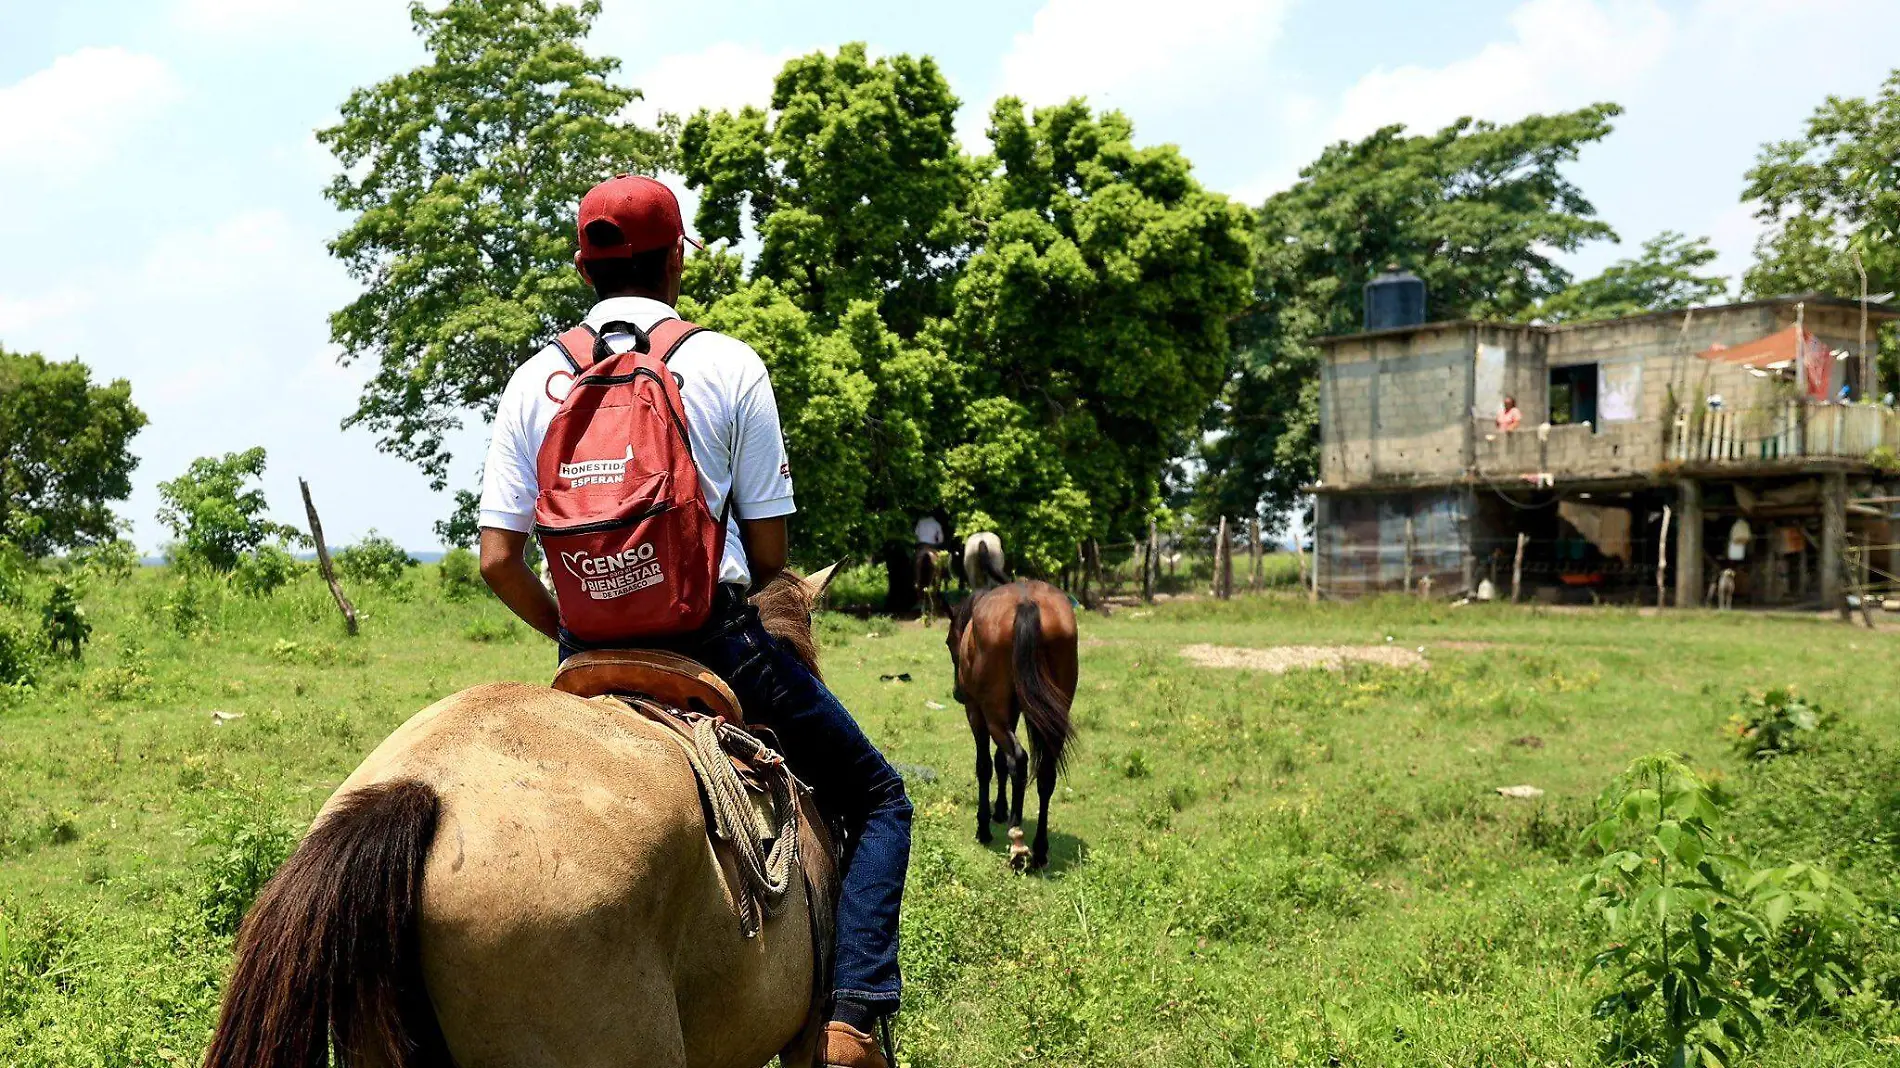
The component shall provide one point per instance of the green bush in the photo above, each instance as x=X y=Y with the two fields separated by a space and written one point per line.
x=265 y=570
x=20 y=653
x=247 y=846
x=484 y=630
x=129 y=679
x=192 y=601
x=115 y=559
x=63 y=620
x=376 y=561
x=1704 y=943
x=461 y=575
x=1774 y=722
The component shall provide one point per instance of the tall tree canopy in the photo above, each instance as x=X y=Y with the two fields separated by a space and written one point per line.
x=1095 y=313
x=462 y=176
x=64 y=453
x=853 y=179
x=1666 y=274
x=1830 y=195
x=216 y=513
x=1478 y=210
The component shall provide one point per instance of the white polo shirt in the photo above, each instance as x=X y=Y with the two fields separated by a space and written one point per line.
x=731 y=420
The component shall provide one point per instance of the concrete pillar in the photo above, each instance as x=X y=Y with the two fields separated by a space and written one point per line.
x=1833 y=535
x=1688 y=543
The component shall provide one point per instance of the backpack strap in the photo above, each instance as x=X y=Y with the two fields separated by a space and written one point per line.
x=668 y=335
x=579 y=346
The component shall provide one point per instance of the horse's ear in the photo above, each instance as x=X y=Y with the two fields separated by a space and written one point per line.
x=815 y=584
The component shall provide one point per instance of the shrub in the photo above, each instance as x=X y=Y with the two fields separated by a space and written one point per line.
x=20 y=653
x=461 y=575
x=215 y=512
x=130 y=678
x=1775 y=722
x=376 y=561
x=115 y=559
x=247 y=846
x=1704 y=942
x=63 y=619
x=264 y=570
x=483 y=630
x=191 y=602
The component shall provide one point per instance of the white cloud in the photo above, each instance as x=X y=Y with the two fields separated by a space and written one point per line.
x=18 y=314
x=72 y=114
x=725 y=76
x=1562 y=54
x=1124 y=50
x=246 y=17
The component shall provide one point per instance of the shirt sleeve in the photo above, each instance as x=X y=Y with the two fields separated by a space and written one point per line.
x=761 y=472
x=509 y=480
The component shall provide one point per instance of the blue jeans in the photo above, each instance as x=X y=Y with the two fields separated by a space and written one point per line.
x=853 y=783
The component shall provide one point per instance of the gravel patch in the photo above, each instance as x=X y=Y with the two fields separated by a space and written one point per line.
x=1281 y=658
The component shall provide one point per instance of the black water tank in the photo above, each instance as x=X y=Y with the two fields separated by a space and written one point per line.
x=1395 y=298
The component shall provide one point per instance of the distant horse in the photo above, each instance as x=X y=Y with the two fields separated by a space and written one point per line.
x=1013 y=650
x=983 y=561
x=930 y=567
x=518 y=876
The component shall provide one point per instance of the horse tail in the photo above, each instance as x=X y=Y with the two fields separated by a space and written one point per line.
x=330 y=951
x=1043 y=704
x=988 y=567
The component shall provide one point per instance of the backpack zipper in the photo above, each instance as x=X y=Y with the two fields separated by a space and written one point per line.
x=597 y=526
x=679 y=422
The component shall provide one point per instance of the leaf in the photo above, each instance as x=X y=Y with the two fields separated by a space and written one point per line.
x=1776 y=909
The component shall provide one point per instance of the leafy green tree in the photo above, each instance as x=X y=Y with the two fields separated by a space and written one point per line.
x=1664 y=276
x=376 y=560
x=64 y=453
x=215 y=512
x=1478 y=210
x=462 y=176
x=264 y=570
x=1097 y=306
x=853 y=179
x=1830 y=195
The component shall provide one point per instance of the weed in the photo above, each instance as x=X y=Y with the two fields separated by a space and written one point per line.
x=488 y=630
x=1135 y=765
x=247 y=843
x=1774 y=722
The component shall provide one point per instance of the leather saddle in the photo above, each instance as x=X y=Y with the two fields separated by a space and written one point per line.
x=671 y=680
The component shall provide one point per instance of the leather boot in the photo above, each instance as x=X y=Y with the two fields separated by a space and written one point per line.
x=844 y=1046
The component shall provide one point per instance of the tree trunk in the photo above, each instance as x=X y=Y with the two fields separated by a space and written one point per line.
x=343 y=604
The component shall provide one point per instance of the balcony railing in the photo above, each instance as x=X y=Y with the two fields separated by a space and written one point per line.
x=1786 y=431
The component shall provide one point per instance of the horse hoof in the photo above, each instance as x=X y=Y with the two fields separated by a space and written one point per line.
x=984 y=836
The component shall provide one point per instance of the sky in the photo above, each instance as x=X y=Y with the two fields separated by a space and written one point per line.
x=162 y=217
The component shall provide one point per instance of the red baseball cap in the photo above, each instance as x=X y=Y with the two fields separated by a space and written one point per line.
x=645 y=215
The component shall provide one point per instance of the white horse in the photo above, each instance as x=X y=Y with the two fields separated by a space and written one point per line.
x=983 y=561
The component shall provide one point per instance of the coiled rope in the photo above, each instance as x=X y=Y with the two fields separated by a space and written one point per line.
x=764 y=877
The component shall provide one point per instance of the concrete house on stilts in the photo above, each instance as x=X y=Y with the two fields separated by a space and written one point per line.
x=1731 y=453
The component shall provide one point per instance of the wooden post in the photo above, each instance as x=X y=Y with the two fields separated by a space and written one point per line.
x=1662 y=562
x=1411 y=544
x=1689 y=588
x=323 y=561
x=1299 y=554
x=1150 y=564
x=1833 y=538
x=1253 y=554
x=1223 y=563
x=1517 y=567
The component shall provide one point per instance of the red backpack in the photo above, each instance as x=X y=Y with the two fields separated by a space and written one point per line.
x=631 y=544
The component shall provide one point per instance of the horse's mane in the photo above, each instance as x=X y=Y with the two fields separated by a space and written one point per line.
x=785 y=605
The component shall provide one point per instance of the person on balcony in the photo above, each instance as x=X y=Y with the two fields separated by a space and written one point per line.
x=1509 y=416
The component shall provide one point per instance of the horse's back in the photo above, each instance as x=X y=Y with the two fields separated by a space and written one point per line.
x=574 y=912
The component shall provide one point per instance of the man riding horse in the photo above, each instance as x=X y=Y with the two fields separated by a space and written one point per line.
x=632 y=251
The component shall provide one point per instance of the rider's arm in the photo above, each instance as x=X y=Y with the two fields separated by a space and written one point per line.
x=505 y=569
x=764 y=547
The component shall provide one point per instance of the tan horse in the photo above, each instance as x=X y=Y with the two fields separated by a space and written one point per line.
x=519 y=877
x=1013 y=649
x=931 y=570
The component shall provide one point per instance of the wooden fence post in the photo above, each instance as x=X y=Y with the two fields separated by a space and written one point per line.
x=323 y=561
x=1253 y=554
x=1411 y=545
x=1662 y=562
x=1517 y=567
x=1151 y=564
x=1223 y=563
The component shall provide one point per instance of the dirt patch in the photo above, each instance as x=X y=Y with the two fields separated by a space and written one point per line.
x=1280 y=658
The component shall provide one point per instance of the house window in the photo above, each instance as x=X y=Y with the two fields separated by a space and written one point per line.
x=1573 y=394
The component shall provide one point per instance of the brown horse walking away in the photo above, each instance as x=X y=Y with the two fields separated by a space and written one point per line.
x=521 y=877
x=1013 y=650
x=931 y=570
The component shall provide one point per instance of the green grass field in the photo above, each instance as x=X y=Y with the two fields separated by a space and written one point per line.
x=1302 y=869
